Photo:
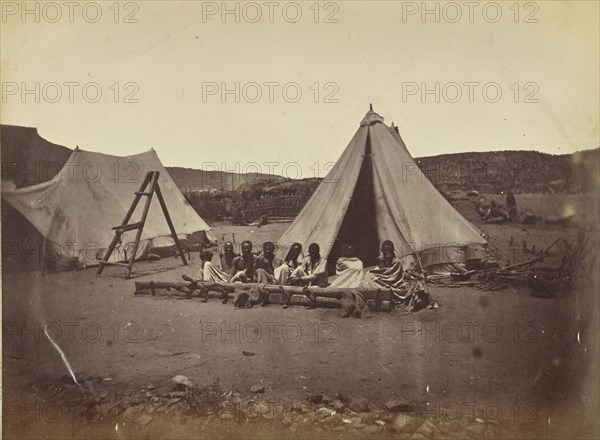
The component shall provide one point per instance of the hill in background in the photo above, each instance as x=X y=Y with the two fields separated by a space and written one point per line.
x=27 y=159
x=519 y=171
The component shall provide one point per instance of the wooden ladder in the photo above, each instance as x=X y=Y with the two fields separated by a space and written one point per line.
x=147 y=189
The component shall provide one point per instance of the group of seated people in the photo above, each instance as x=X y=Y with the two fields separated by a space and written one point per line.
x=493 y=212
x=265 y=267
x=296 y=270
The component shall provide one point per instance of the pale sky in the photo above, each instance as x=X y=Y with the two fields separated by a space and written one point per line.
x=377 y=52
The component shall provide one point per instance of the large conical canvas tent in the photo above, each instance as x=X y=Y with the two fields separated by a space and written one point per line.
x=75 y=211
x=376 y=192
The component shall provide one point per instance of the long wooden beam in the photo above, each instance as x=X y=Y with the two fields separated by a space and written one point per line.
x=142 y=287
x=320 y=296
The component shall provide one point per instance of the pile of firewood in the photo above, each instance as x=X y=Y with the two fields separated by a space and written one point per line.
x=577 y=262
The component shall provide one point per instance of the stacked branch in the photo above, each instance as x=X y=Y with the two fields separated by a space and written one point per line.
x=532 y=273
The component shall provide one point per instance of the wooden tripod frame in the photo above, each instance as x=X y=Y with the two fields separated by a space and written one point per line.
x=148 y=188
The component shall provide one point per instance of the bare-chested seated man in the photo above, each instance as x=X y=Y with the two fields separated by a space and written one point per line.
x=266 y=264
x=313 y=269
x=244 y=263
x=227 y=257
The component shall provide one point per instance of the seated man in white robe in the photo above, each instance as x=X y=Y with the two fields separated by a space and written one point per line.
x=207 y=273
x=292 y=261
x=348 y=270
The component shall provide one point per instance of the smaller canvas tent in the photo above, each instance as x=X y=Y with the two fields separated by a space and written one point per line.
x=376 y=192
x=75 y=211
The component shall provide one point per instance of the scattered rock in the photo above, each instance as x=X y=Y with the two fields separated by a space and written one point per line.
x=331 y=420
x=426 y=429
x=395 y=405
x=372 y=429
x=261 y=408
x=183 y=381
x=339 y=428
x=359 y=404
x=144 y=419
x=358 y=424
x=129 y=413
x=338 y=405
x=319 y=398
x=177 y=394
x=401 y=421
x=227 y=416
x=173 y=401
x=248 y=353
x=345 y=399
x=315 y=398
x=257 y=389
x=297 y=408
x=325 y=412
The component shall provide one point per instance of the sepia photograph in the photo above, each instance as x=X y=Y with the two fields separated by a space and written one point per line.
x=300 y=219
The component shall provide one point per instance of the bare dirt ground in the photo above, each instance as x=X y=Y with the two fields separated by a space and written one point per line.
x=498 y=364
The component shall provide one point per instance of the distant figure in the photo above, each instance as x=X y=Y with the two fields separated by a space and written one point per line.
x=482 y=207
x=511 y=205
x=494 y=214
x=238 y=218
x=264 y=220
x=528 y=218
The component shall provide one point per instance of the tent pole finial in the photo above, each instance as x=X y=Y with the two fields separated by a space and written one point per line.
x=371 y=107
